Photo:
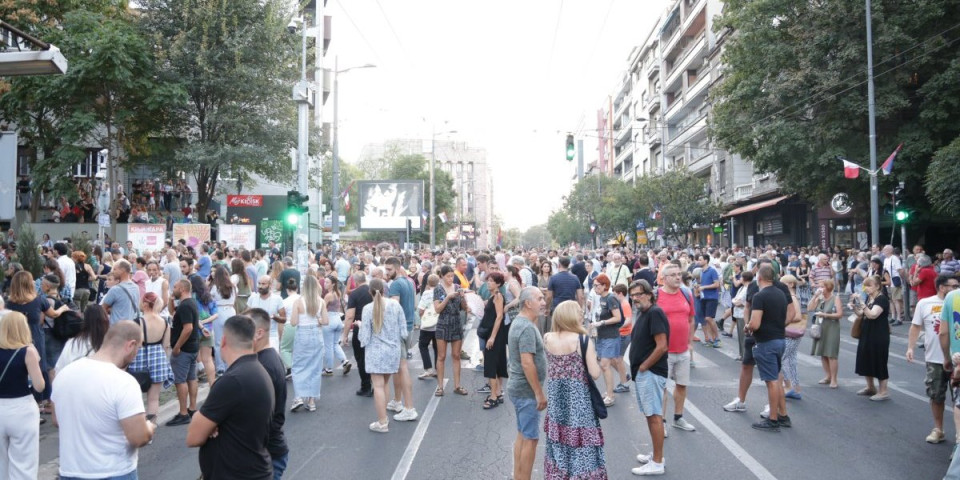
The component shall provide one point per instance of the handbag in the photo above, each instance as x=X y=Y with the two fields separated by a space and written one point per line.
x=857 y=323
x=816 y=330
x=596 y=399
x=793 y=333
x=142 y=377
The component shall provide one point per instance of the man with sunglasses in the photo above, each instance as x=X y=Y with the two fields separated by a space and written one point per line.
x=926 y=319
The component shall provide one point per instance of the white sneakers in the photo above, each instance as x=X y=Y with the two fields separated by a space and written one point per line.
x=683 y=424
x=765 y=413
x=735 y=406
x=379 y=427
x=936 y=436
x=649 y=466
x=394 y=406
x=406 y=415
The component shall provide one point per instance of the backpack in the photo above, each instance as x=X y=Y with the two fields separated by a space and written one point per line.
x=67 y=325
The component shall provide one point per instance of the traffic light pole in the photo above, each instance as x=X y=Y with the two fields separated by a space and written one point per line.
x=301 y=95
x=905 y=282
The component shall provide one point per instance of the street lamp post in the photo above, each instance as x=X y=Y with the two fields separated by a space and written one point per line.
x=303 y=99
x=433 y=204
x=335 y=191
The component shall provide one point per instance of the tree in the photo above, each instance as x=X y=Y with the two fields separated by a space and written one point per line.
x=237 y=63
x=681 y=200
x=28 y=251
x=941 y=180
x=605 y=200
x=793 y=94
x=106 y=98
x=537 y=235
x=565 y=229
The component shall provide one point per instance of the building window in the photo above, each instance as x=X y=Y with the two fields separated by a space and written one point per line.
x=25 y=156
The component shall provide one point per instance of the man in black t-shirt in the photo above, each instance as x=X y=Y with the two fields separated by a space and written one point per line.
x=185 y=342
x=746 y=369
x=768 y=314
x=563 y=286
x=273 y=364
x=288 y=272
x=239 y=409
x=644 y=272
x=648 y=366
x=359 y=297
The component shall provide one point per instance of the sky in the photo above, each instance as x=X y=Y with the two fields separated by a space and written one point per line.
x=513 y=77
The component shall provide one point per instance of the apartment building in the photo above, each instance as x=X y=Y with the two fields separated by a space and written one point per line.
x=657 y=120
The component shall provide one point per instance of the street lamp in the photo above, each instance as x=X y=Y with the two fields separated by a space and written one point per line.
x=433 y=203
x=335 y=193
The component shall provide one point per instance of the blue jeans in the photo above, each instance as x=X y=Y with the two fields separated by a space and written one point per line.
x=280 y=465
x=129 y=476
x=333 y=353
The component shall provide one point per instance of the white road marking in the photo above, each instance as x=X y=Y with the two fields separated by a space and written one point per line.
x=739 y=452
x=406 y=461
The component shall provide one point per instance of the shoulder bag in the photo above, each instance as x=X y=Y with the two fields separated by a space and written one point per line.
x=596 y=399
x=857 y=323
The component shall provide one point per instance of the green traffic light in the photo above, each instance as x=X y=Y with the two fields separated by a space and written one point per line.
x=571 y=149
x=902 y=215
x=293 y=218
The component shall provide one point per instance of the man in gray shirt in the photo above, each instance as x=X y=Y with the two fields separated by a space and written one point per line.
x=118 y=304
x=171 y=270
x=527 y=366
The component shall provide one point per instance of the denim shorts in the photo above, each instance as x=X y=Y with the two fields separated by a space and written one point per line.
x=768 y=356
x=748 y=343
x=624 y=343
x=649 y=390
x=184 y=367
x=528 y=417
x=608 y=347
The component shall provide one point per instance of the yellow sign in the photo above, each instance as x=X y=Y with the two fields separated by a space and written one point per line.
x=641 y=237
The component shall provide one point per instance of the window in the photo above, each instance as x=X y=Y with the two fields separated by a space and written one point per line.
x=25 y=155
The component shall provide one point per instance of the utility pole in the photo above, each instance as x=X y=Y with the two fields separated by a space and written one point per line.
x=871 y=107
x=335 y=189
x=301 y=95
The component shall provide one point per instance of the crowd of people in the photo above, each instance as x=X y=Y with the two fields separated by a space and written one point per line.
x=550 y=325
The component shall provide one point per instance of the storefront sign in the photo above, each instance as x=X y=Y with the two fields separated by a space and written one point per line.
x=840 y=204
x=244 y=200
x=641 y=237
x=824 y=235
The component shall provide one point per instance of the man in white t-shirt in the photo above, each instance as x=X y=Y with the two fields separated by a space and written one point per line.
x=271 y=303
x=926 y=319
x=99 y=410
x=893 y=266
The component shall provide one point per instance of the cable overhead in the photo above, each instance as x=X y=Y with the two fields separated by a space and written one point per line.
x=359 y=31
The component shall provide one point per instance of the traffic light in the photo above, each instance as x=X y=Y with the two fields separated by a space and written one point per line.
x=901 y=212
x=571 y=150
x=296 y=206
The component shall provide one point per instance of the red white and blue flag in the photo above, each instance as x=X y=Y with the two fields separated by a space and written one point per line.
x=850 y=169
x=887 y=166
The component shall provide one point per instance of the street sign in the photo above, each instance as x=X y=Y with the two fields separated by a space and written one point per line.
x=718 y=229
x=642 y=237
x=641 y=225
x=104 y=220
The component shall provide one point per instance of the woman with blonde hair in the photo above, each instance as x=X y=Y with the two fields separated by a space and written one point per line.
x=873 y=348
x=152 y=356
x=828 y=310
x=308 y=314
x=382 y=329
x=568 y=399
x=20 y=422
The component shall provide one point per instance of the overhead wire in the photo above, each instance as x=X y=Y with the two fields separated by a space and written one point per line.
x=359 y=30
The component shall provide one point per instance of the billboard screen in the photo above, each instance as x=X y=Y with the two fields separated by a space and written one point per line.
x=386 y=205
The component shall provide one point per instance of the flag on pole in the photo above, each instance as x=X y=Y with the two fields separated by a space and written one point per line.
x=499 y=237
x=443 y=217
x=346 y=197
x=655 y=215
x=424 y=214
x=850 y=169
x=887 y=166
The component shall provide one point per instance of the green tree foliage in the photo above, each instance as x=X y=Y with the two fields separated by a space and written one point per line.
x=107 y=98
x=537 y=236
x=237 y=64
x=28 y=251
x=606 y=200
x=681 y=200
x=794 y=92
x=564 y=228
x=941 y=181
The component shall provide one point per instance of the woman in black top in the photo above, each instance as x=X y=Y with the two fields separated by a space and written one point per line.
x=873 y=349
x=495 y=353
x=20 y=422
x=85 y=274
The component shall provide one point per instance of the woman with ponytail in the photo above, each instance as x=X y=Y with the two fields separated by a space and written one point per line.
x=382 y=328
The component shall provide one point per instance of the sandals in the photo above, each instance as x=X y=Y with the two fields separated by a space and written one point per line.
x=460 y=391
x=824 y=381
x=491 y=402
x=866 y=392
x=438 y=392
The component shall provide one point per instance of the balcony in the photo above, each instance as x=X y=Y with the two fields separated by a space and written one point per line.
x=700 y=86
x=654 y=68
x=690 y=57
x=700 y=160
x=652 y=135
x=652 y=102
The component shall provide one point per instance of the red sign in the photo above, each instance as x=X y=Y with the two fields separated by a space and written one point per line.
x=244 y=200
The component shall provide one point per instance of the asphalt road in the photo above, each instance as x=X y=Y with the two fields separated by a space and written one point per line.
x=835 y=434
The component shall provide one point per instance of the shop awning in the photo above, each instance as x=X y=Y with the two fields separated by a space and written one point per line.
x=755 y=206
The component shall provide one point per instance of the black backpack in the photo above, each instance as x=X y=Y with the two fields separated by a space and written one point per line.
x=67 y=325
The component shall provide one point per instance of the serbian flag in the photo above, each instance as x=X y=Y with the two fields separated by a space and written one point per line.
x=443 y=217
x=887 y=166
x=850 y=169
x=346 y=202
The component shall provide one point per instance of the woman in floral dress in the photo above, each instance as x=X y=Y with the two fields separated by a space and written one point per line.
x=574 y=438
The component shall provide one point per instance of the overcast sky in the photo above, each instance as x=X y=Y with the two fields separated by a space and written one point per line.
x=510 y=76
